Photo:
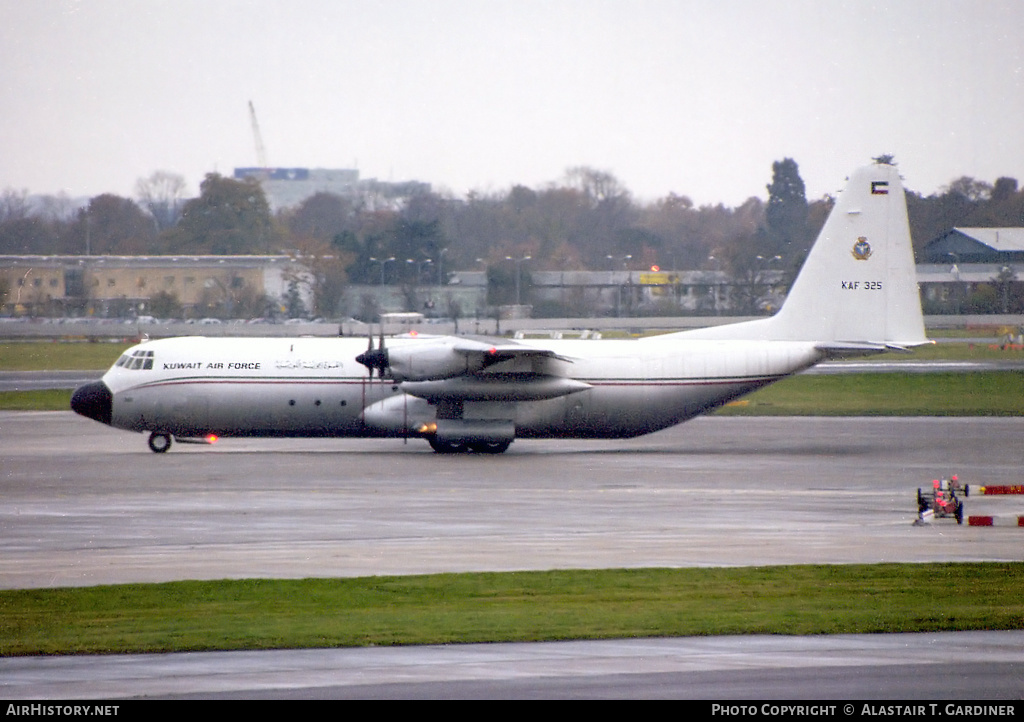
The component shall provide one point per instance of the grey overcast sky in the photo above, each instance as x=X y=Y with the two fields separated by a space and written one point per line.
x=695 y=97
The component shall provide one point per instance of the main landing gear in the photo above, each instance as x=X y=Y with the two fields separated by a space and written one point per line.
x=463 y=447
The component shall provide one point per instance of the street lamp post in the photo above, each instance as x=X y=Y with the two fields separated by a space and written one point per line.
x=383 y=264
x=717 y=287
x=618 y=286
x=440 y=266
x=519 y=272
x=1005 y=277
x=954 y=271
x=419 y=267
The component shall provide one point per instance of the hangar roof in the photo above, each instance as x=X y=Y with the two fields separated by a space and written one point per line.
x=976 y=245
x=1001 y=239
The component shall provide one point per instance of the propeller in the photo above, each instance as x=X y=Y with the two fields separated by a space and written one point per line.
x=375 y=358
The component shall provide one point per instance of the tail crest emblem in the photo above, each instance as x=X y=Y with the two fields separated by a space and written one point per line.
x=861 y=249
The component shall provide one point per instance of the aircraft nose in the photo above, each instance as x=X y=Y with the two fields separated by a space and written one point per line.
x=93 y=401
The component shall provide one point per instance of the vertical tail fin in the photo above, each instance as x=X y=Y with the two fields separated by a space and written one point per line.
x=858 y=287
x=859 y=284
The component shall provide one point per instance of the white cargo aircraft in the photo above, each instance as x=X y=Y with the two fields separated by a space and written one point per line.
x=856 y=294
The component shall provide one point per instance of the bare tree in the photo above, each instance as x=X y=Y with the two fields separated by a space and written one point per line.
x=58 y=208
x=14 y=205
x=162 y=195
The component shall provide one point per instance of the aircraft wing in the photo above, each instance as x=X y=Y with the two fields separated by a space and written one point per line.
x=494 y=351
x=443 y=357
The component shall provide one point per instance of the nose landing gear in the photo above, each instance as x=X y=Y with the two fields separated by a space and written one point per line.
x=159 y=442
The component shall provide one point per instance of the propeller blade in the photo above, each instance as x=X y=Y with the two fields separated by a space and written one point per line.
x=375 y=358
x=369 y=350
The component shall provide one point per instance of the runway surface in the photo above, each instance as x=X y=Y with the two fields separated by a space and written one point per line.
x=82 y=504
x=925 y=667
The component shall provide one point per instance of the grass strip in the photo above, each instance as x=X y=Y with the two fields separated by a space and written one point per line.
x=988 y=393
x=59 y=355
x=40 y=400
x=514 y=606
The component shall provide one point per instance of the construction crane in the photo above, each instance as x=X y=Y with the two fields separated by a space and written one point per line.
x=261 y=152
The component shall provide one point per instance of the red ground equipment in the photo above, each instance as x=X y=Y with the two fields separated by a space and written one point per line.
x=944 y=499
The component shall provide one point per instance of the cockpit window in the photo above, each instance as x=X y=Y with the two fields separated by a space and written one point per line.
x=135 y=360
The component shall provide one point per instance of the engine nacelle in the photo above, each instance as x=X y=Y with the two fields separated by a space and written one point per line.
x=431 y=360
x=399 y=415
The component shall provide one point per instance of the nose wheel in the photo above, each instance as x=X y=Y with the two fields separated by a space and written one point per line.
x=159 y=442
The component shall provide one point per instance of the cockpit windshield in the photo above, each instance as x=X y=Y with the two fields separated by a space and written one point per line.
x=135 y=359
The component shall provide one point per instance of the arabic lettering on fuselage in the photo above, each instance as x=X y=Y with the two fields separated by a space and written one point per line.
x=307 y=364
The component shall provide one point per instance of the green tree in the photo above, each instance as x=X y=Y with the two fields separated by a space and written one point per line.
x=971 y=189
x=164 y=304
x=321 y=217
x=229 y=217
x=111 y=225
x=786 y=214
x=294 y=307
x=1004 y=189
x=29 y=235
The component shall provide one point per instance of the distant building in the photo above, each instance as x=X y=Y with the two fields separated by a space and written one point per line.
x=123 y=286
x=959 y=262
x=288 y=187
x=626 y=293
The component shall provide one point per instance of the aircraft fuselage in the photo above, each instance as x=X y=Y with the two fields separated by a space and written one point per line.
x=196 y=386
